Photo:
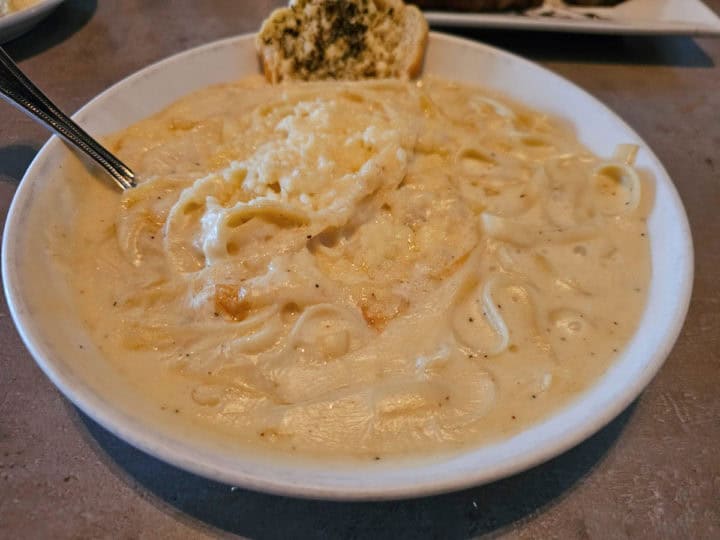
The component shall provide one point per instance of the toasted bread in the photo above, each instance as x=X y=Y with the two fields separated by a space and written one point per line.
x=342 y=39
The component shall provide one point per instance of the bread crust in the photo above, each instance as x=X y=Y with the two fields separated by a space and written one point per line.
x=414 y=66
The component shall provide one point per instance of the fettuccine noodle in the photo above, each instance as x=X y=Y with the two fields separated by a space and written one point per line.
x=362 y=269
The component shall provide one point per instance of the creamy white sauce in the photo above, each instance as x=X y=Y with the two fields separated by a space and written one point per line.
x=361 y=269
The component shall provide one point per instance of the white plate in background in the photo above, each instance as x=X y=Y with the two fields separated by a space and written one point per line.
x=16 y=23
x=650 y=17
x=36 y=288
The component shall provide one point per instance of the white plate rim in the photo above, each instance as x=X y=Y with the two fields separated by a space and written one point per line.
x=619 y=26
x=142 y=437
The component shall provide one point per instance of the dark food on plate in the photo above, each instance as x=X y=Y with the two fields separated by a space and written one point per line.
x=502 y=5
x=597 y=3
x=478 y=5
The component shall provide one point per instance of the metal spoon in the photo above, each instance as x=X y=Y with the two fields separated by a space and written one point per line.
x=20 y=92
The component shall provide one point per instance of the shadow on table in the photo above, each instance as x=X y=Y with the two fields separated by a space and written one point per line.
x=66 y=20
x=677 y=51
x=478 y=511
x=15 y=159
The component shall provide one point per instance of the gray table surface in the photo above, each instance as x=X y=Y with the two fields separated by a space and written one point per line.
x=652 y=473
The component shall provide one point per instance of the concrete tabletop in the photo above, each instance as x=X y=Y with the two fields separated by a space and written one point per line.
x=652 y=473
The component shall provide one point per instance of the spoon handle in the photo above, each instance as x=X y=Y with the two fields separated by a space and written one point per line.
x=19 y=91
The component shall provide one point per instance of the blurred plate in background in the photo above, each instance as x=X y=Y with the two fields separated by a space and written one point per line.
x=650 y=17
x=17 y=23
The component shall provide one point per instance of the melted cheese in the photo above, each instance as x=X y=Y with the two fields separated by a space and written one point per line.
x=360 y=269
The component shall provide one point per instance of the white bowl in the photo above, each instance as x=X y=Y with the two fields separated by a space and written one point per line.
x=50 y=328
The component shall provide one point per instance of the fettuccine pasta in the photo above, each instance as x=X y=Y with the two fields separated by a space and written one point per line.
x=362 y=269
